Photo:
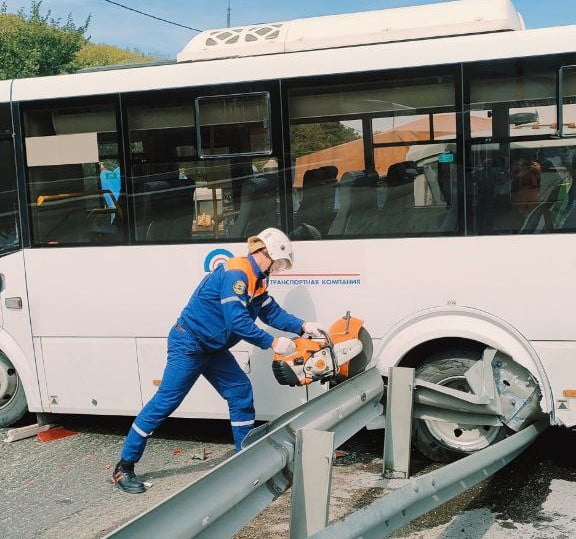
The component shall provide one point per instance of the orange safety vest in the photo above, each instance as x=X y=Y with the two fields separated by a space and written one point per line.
x=244 y=265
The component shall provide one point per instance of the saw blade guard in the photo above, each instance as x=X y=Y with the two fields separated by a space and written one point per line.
x=345 y=351
x=346 y=329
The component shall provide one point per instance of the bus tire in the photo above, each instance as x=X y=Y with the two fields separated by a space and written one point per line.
x=13 y=404
x=445 y=442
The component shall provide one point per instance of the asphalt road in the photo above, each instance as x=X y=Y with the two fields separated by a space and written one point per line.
x=62 y=488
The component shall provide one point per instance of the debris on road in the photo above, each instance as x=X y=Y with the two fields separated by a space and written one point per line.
x=55 y=434
x=13 y=435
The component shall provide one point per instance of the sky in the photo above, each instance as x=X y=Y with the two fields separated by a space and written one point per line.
x=114 y=25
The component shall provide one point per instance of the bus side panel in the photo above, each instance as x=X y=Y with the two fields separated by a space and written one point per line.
x=559 y=360
x=16 y=317
x=86 y=302
x=202 y=401
x=92 y=376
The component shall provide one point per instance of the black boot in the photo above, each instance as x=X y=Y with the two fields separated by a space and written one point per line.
x=126 y=480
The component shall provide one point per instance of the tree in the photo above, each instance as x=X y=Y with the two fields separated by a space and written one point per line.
x=32 y=44
x=99 y=54
x=309 y=138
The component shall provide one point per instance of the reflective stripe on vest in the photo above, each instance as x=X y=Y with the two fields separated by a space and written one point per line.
x=244 y=265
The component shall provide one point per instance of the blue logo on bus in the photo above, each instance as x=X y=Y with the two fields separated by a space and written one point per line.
x=215 y=258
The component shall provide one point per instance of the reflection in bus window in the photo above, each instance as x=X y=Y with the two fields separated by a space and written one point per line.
x=234 y=125
x=524 y=187
x=382 y=163
x=65 y=150
x=522 y=176
x=568 y=101
x=179 y=197
x=339 y=148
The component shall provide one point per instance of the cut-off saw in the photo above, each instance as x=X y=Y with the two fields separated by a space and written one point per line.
x=343 y=351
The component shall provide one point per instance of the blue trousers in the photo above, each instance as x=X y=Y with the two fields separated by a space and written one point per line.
x=186 y=362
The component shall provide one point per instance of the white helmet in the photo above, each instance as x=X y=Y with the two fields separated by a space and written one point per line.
x=278 y=246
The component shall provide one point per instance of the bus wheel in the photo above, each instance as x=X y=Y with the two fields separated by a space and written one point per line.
x=12 y=398
x=442 y=441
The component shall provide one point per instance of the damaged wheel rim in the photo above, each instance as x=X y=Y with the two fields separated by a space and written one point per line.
x=466 y=438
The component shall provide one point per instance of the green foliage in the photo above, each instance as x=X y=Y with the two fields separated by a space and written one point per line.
x=33 y=44
x=309 y=138
x=99 y=54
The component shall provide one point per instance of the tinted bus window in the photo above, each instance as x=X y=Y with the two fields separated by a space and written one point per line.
x=5 y=119
x=74 y=178
x=522 y=176
x=568 y=103
x=374 y=159
x=180 y=197
x=234 y=125
x=9 y=230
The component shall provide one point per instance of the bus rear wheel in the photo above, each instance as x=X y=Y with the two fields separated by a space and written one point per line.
x=443 y=441
x=13 y=404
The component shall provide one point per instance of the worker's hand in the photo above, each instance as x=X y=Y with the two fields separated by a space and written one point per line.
x=283 y=346
x=313 y=329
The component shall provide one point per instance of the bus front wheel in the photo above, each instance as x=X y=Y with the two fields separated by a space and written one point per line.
x=443 y=441
x=12 y=398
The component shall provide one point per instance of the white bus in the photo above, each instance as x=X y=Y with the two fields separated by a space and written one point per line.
x=422 y=159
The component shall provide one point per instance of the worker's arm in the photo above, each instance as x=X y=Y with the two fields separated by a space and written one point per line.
x=272 y=314
x=234 y=300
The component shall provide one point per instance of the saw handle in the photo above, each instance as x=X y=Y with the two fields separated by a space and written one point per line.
x=330 y=346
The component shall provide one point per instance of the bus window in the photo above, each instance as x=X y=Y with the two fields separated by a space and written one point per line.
x=521 y=173
x=73 y=175
x=9 y=231
x=234 y=125
x=179 y=197
x=514 y=105
x=317 y=173
x=347 y=140
x=162 y=147
x=567 y=106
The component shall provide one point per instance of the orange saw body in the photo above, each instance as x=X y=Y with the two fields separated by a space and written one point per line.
x=344 y=350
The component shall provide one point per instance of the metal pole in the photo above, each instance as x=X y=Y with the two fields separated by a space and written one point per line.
x=228 y=15
x=312 y=477
x=398 y=433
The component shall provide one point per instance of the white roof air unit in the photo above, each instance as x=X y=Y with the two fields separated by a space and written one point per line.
x=460 y=17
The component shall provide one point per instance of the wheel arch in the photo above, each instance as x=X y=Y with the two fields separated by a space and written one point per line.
x=409 y=342
x=10 y=349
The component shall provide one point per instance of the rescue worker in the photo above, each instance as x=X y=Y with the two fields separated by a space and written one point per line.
x=220 y=313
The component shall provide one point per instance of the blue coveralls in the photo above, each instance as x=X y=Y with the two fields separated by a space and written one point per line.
x=220 y=313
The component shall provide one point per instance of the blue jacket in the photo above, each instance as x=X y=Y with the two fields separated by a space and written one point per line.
x=224 y=306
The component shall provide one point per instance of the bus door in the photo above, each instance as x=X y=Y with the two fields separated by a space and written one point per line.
x=15 y=333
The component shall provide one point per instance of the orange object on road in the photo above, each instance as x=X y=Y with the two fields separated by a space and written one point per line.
x=55 y=434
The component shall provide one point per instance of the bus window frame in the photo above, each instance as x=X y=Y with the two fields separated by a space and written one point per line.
x=8 y=134
x=560 y=102
x=550 y=63
x=454 y=70
x=23 y=107
x=200 y=151
x=271 y=87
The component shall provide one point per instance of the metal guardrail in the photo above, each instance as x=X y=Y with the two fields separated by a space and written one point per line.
x=422 y=494
x=298 y=448
x=223 y=501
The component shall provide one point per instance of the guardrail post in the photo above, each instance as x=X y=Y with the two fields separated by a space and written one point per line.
x=397 y=435
x=311 y=487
